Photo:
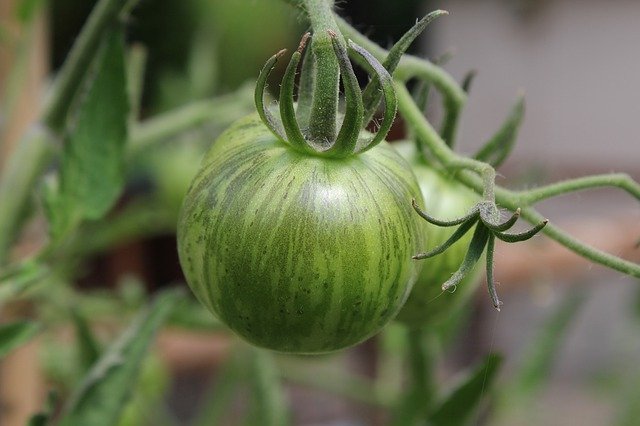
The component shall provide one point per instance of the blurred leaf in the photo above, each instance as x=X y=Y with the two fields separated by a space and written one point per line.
x=498 y=148
x=15 y=334
x=460 y=404
x=540 y=354
x=27 y=9
x=88 y=346
x=19 y=277
x=103 y=394
x=92 y=166
x=468 y=80
x=43 y=418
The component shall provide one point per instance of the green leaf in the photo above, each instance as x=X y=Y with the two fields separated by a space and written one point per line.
x=498 y=148
x=15 y=334
x=459 y=406
x=540 y=354
x=92 y=167
x=19 y=277
x=88 y=346
x=103 y=394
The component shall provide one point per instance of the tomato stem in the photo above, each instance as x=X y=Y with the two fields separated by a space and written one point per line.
x=347 y=138
x=422 y=392
x=480 y=177
x=269 y=402
x=616 y=180
x=324 y=109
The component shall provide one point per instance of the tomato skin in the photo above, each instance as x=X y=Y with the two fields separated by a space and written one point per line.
x=299 y=253
x=445 y=199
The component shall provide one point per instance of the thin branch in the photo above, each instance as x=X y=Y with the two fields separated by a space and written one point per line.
x=219 y=111
x=438 y=146
x=617 y=180
x=509 y=199
x=584 y=250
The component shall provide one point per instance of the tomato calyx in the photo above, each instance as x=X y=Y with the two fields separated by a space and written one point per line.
x=350 y=139
x=486 y=218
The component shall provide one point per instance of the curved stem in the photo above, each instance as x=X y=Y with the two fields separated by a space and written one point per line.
x=410 y=66
x=618 y=180
x=450 y=121
x=438 y=146
x=347 y=138
x=591 y=253
x=510 y=199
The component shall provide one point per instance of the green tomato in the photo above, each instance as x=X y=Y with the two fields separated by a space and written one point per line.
x=445 y=199
x=296 y=252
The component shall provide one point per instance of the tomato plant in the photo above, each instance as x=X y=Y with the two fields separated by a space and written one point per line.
x=295 y=248
x=301 y=231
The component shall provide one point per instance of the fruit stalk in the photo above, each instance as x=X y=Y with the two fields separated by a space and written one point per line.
x=324 y=109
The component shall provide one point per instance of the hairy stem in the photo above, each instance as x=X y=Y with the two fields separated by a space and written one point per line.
x=324 y=107
x=438 y=146
x=617 y=180
x=591 y=253
x=479 y=179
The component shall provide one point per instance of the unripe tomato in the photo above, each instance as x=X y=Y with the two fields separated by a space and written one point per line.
x=446 y=199
x=297 y=252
